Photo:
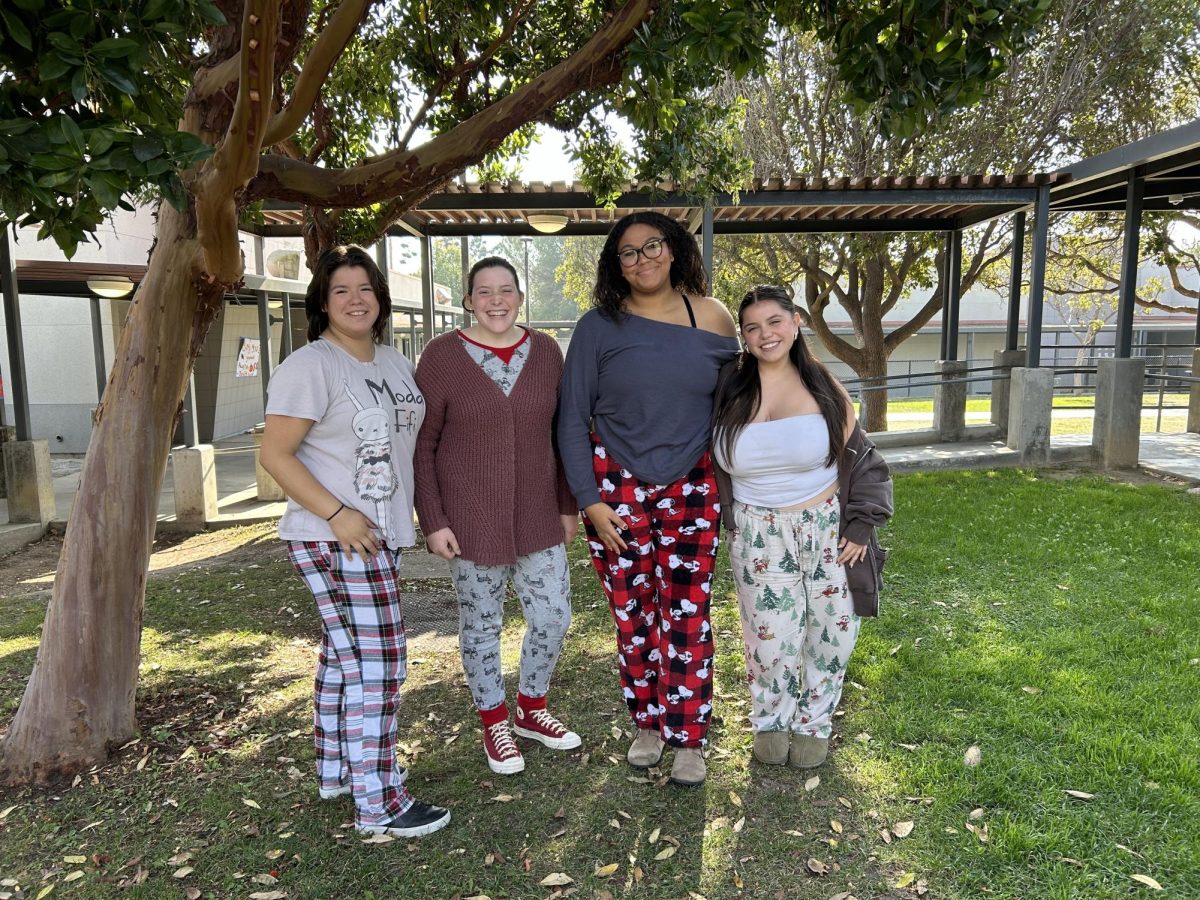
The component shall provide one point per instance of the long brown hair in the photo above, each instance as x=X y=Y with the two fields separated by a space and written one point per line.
x=742 y=392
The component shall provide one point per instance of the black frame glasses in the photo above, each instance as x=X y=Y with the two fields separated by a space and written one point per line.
x=652 y=249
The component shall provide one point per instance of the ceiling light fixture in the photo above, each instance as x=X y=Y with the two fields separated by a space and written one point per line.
x=110 y=287
x=547 y=223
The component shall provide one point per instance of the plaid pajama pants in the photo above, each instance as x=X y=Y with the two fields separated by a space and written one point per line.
x=359 y=672
x=659 y=590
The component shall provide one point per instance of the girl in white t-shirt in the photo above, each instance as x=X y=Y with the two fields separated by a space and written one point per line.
x=341 y=426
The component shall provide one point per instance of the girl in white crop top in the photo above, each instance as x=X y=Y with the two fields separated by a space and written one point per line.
x=781 y=426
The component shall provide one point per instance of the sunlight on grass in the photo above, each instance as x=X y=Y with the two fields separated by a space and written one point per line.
x=1049 y=621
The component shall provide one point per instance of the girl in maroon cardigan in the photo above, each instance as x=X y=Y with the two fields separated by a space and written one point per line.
x=492 y=501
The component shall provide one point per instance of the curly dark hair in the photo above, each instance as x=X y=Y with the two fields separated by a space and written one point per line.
x=687 y=265
x=317 y=298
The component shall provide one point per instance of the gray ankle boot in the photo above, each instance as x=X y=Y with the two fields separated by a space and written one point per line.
x=771 y=747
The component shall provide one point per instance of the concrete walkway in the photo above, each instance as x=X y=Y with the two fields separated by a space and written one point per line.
x=1174 y=455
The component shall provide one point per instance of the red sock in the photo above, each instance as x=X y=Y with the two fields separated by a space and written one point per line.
x=529 y=704
x=494 y=715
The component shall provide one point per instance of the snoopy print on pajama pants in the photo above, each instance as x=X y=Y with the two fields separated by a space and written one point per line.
x=659 y=590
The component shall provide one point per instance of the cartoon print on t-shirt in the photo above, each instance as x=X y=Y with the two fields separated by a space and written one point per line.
x=374 y=477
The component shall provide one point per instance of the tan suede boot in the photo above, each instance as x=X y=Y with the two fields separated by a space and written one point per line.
x=688 y=769
x=807 y=751
x=646 y=749
x=771 y=747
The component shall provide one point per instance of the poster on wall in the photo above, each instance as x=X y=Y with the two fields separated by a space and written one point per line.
x=247 y=360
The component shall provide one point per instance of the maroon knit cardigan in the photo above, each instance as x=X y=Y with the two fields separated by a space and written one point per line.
x=485 y=464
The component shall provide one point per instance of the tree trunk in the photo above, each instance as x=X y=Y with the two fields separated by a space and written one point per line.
x=873 y=413
x=79 y=701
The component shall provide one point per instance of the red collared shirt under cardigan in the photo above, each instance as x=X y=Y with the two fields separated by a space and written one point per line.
x=485 y=463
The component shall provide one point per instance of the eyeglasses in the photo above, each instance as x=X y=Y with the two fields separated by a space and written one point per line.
x=652 y=249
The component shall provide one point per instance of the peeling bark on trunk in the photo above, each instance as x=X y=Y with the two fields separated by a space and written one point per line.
x=79 y=700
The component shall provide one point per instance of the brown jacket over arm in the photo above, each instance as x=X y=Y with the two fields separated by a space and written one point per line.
x=865 y=491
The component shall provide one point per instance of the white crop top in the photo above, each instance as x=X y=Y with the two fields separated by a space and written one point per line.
x=780 y=463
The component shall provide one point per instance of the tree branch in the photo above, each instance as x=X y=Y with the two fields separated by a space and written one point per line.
x=236 y=158
x=330 y=45
x=417 y=173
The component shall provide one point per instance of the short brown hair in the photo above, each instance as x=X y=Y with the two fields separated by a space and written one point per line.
x=317 y=298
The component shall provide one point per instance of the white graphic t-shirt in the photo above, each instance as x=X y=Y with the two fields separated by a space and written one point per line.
x=361 y=446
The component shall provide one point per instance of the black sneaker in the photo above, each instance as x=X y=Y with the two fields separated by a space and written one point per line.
x=421 y=818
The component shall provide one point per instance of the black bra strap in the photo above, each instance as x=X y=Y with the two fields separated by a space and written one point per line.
x=688 y=304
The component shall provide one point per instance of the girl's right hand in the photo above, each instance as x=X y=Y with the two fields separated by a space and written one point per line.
x=355 y=532
x=443 y=543
x=608 y=525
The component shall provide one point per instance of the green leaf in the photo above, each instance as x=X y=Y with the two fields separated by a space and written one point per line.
x=17 y=30
x=79 y=84
x=174 y=192
x=114 y=47
x=52 y=67
x=73 y=135
x=119 y=80
x=147 y=146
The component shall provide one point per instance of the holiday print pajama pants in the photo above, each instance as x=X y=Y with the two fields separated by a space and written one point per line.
x=659 y=589
x=359 y=672
x=543 y=585
x=798 y=619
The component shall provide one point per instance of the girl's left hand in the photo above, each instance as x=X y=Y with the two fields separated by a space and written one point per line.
x=570 y=526
x=851 y=552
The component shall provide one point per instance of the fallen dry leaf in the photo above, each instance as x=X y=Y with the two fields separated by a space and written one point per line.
x=253 y=804
x=1030 y=689
x=192 y=893
x=843 y=802
x=812 y=783
x=1080 y=795
x=182 y=872
x=835 y=826
x=273 y=854
x=902 y=829
x=665 y=853
x=905 y=880
x=8 y=809
x=268 y=895
x=817 y=867
x=179 y=859
x=45 y=892
x=75 y=860
x=73 y=876
x=605 y=871
x=735 y=799
x=264 y=878
x=885 y=835
x=556 y=879
x=503 y=798
x=739 y=824
x=653 y=839
x=1147 y=881
x=843 y=895
x=378 y=839
x=895 y=650
x=972 y=757
x=976 y=813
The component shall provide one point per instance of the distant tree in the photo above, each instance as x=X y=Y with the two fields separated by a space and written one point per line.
x=1070 y=92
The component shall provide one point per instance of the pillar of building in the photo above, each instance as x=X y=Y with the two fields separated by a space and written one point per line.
x=1030 y=400
x=29 y=482
x=1117 y=425
x=1004 y=361
x=1193 y=422
x=950 y=400
x=8 y=433
x=194 y=470
x=268 y=487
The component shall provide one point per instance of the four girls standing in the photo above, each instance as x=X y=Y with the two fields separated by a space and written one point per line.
x=798 y=486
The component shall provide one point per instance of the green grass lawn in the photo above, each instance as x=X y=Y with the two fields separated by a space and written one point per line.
x=1061 y=401
x=1048 y=621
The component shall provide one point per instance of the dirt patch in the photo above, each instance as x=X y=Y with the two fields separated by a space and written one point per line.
x=31 y=569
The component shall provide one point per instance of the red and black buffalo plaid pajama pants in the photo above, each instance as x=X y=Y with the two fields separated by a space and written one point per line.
x=659 y=590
